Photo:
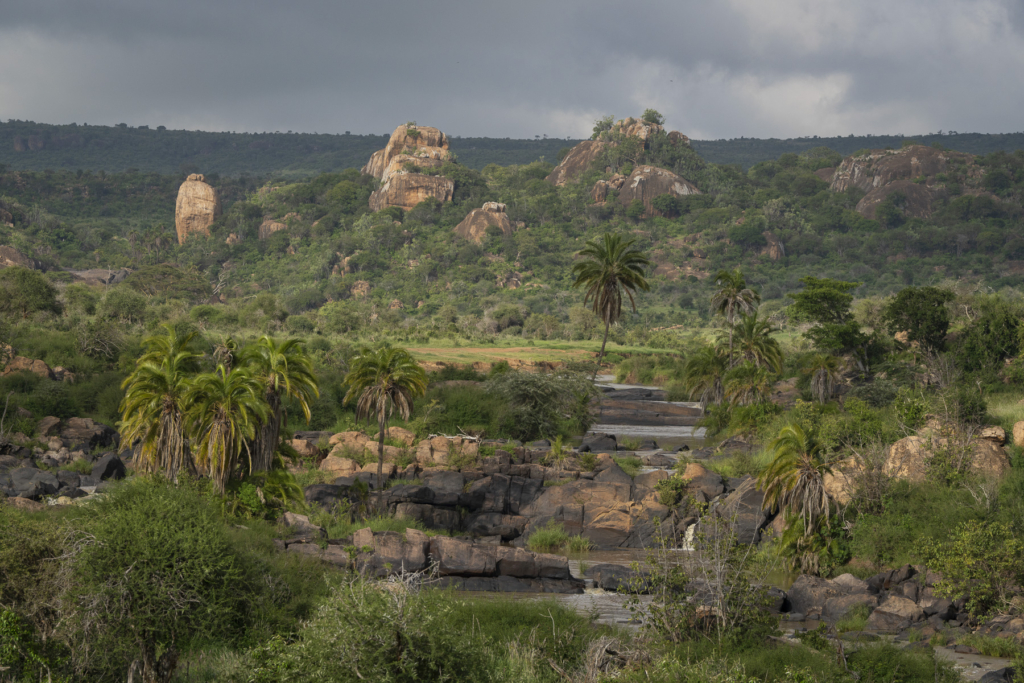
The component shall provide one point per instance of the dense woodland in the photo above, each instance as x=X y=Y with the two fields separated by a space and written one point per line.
x=865 y=333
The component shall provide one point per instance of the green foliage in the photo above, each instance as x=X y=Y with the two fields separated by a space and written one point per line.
x=920 y=312
x=548 y=538
x=169 y=281
x=24 y=291
x=23 y=656
x=984 y=560
x=124 y=304
x=366 y=632
x=178 y=578
x=629 y=464
x=537 y=404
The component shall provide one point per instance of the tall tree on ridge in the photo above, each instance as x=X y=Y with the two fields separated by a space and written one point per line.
x=733 y=298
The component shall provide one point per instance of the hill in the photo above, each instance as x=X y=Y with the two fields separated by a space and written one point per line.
x=30 y=146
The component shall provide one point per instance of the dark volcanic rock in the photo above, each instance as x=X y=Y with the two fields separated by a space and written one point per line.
x=109 y=467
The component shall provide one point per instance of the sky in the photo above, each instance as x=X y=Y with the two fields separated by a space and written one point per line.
x=518 y=68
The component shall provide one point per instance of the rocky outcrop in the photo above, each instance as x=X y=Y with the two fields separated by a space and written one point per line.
x=196 y=209
x=647 y=182
x=409 y=140
x=774 y=250
x=22 y=364
x=474 y=226
x=268 y=227
x=910 y=457
x=9 y=256
x=576 y=162
x=882 y=172
x=410 y=148
x=101 y=276
x=599 y=193
x=405 y=190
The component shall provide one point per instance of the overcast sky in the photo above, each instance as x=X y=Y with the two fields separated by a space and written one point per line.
x=518 y=68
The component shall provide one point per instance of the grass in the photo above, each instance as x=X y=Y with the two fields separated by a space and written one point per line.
x=553 y=536
x=80 y=466
x=740 y=464
x=629 y=464
x=339 y=524
x=1007 y=410
x=557 y=482
x=629 y=443
x=991 y=647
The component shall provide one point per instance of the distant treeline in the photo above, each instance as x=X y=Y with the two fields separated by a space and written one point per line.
x=25 y=145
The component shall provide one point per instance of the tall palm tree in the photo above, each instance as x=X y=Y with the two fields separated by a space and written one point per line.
x=754 y=342
x=748 y=384
x=285 y=371
x=383 y=381
x=155 y=400
x=795 y=479
x=733 y=298
x=703 y=375
x=225 y=409
x=610 y=266
x=824 y=372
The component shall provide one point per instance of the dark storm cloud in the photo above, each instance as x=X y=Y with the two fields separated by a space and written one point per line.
x=715 y=69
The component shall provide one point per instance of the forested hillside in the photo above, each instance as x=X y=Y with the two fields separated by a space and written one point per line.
x=30 y=146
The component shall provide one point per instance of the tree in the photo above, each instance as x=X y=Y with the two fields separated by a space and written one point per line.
x=382 y=381
x=653 y=116
x=795 y=479
x=25 y=291
x=920 y=312
x=703 y=375
x=155 y=400
x=748 y=384
x=823 y=370
x=225 y=408
x=826 y=303
x=610 y=266
x=285 y=371
x=732 y=298
x=754 y=342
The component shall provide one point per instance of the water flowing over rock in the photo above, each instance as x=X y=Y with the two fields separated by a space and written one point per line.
x=474 y=226
x=647 y=182
x=196 y=209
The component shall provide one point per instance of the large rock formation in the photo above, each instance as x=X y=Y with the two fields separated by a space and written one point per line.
x=406 y=190
x=408 y=140
x=584 y=154
x=9 y=256
x=197 y=207
x=910 y=457
x=647 y=182
x=474 y=226
x=882 y=172
x=410 y=148
x=576 y=162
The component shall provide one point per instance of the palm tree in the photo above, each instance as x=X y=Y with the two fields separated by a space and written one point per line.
x=824 y=372
x=153 y=409
x=754 y=342
x=703 y=375
x=795 y=479
x=748 y=384
x=382 y=381
x=285 y=371
x=733 y=298
x=610 y=266
x=225 y=409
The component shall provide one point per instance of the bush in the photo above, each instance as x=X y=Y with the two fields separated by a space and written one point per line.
x=124 y=304
x=179 y=581
x=537 y=404
x=24 y=291
x=549 y=537
x=370 y=632
x=983 y=560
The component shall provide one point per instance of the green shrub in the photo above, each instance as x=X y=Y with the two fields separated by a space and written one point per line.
x=551 y=536
x=630 y=465
x=124 y=304
x=24 y=291
x=983 y=560
x=368 y=632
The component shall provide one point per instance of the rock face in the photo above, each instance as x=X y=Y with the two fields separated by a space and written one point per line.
x=196 y=209
x=411 y=141
x=576 y=162
x=775 y=249
x=909 y=457
x=268 y=227
x=883 y=172
x=601 y=188
x=9 y=256
x=410 y=147
x=474 y=226
x=647 y=182
x=406 y=190
x=22 y=364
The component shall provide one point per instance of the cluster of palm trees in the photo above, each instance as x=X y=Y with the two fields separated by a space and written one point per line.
x=740 y=367
x=221 y=423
